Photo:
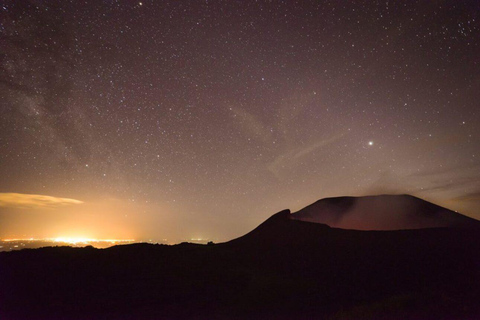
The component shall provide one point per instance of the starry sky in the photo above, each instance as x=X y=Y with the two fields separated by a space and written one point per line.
x=200 y=119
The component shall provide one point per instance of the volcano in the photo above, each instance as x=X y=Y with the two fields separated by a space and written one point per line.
x=283 y=269
x=383 y=212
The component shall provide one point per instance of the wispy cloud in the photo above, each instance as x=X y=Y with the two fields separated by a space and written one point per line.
x=21 y=200
x=461 y=180
x=473 y=196
x=292 y=157
x=252 y=126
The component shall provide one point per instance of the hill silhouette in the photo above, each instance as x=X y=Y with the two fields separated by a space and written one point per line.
x=283 y=269
x=384 y=212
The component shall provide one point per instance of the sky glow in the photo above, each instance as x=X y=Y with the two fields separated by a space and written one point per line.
x=173 y=119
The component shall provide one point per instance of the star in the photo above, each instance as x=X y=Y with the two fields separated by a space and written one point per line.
x=199 y=107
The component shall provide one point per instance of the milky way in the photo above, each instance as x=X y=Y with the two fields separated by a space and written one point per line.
x=175 y=119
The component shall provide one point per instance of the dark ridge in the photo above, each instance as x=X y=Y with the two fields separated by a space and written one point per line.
x=283 y=269
x=279 y=230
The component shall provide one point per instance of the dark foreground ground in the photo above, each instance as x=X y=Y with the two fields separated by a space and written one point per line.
x=284 y=269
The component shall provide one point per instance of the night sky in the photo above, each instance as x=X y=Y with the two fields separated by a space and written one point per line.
x=198 y=120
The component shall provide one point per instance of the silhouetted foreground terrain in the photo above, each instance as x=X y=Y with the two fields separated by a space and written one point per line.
x=284 y=269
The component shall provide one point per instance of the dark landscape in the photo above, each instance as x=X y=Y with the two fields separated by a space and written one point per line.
x=283 y=269
x=148 y=150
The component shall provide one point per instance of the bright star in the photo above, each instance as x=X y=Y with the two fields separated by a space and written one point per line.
x=370 y=143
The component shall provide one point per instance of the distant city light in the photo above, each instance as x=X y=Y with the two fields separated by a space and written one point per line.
x=72 y=240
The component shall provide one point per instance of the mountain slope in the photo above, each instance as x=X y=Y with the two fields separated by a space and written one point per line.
x=283 y=269
x=384 y=212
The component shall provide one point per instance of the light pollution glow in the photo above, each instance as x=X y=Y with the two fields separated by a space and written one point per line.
x=72 y=240
x=191 y=124
x=101 y=219
x=29 y=243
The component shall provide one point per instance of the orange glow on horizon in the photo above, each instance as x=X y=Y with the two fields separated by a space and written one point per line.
x=72 y=240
